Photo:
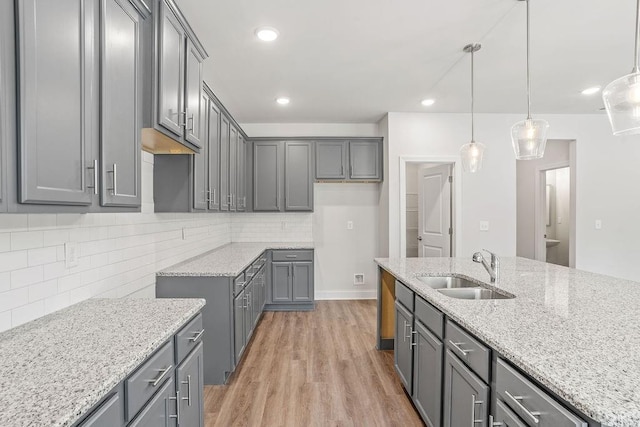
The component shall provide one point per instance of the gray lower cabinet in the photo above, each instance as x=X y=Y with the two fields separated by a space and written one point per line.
x=281 y=282
x=108 y=414
x=292 y=281
x=190 y=386
x=161 y=410
x=427 y=375
x=503 y=416
x=239 y=336
x=351 y=160
x=403 y=346
x=466 y=396
x=298 y=176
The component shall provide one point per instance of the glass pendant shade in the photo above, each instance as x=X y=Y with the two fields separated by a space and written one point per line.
x=471 y=154
x=622 y=101
x=529 y=138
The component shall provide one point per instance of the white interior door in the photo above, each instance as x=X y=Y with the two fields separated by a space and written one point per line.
x=434 y=211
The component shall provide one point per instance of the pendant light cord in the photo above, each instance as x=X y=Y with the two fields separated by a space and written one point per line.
x=636 y=59
x=528 y=72
x=472 y=127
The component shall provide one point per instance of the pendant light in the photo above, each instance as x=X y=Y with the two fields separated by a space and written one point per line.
x=529 y=137
x=472 y=152
x=622 y=96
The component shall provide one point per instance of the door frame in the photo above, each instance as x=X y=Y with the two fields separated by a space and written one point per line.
x=456 y=198
x=539 y=207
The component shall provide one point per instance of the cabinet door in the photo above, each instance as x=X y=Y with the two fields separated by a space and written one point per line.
x=201 y=195
x=190 y=386
x=248 y=312
x=427 y=375
x=281 y=282
x=266 y=182
x=121 y=103
x=257 y=298
x=224 y=163
x=193 y=94
x=171 y=57
x=58 y=90
x=302 y=279
x=403 y=348
x=233 y=168
x=298 y=172
x=214 y=157
x=466 y=397
x=239 y=308
x=109 y=414
x=161 y=410
x=331 y=158
x=241 y=183
x=365 y=160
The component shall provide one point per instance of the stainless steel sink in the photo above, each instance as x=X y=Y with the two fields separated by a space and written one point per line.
x=457 y=287
x=447 y=282
x=474 y=293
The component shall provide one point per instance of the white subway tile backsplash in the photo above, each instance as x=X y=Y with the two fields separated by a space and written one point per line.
x=13 y=260
x=42 y=255
x=26 y=240
x=13 y=298
x=27 y=312
x=5 y=242
x=5 y=320
x=43 y=290
x=26 y=276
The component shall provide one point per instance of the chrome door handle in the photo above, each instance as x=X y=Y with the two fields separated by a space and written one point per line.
x=182 y=123
x=413 y=342
x=531 y=414
x=494 y=423
x=214 y=197
x=404 y=333
x=188 y=383
x=114 y=188
x=177 y=415
x=475 y=402
x=95 y=176
x=154 y=382
x=197 y=336
x=190 y=119
x=457 y=345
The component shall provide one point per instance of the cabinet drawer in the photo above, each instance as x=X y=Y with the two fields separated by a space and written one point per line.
x=430 y=316
x=530 y=402
x=148 y=379
x=506 y=416
x=238 y=283
x=476 y=355
x=296 y=255
x=108 y=414
x=188 y=338
x=404 y=295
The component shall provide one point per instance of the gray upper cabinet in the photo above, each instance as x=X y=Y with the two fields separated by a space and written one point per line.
x=241 y=174
x=193 y=92
x=225 y=194
x=214 y=156
x=171 y=59
x=120 y=109
x=190 y=386
x=266 y=176
x=365 y=160
x=58 y=97
x=466 y=396
x=233 y=175
x=331 y=158
x=201 y=163
x=298 y=182
x=353 y=160
x=7 y=94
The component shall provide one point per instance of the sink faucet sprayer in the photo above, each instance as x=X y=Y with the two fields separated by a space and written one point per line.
x=493 y=269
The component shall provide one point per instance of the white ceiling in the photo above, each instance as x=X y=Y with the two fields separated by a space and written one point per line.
x=355 y=60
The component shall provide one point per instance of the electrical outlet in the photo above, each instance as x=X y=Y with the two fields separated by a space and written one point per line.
x=358 y=279
x=349 y=225
x=598 y=224
x=484 y=225
x=71 y=254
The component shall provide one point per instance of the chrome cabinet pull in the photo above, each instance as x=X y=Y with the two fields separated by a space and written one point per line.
x=114 y=172
x=188 y=383
x=154 y=382
x=197 y=336
x=177 y=415
x=214 y=197
x=190 y=119
x=475 y=402
x=494 y=423
x=95 y=176
x=456 y=345
x=244 y=302
x=292 y=256
x=531 y=414
x=249 y=300
x=182 y=123
x=404 y=333
x=413 y=342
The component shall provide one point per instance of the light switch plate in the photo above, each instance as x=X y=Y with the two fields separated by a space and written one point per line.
x=349 y=225
x=71 y=255
x=484 y=225
x=598 y=224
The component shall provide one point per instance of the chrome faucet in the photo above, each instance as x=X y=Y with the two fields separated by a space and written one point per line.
x=493 y=269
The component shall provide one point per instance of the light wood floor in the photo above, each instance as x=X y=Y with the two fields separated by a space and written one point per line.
x=316 y=368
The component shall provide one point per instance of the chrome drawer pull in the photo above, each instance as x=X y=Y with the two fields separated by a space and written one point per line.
x=457 y=345
x=516 y=399
x=292 y=256
x=197 y=336
x=155 y=382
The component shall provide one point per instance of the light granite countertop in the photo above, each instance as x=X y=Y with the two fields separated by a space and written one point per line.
x=228 y=260
x=54 y=369
x=577 y=333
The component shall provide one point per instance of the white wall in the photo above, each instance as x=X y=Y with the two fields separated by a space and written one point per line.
x=310 y=129
x=606 y=176
x=411 y=222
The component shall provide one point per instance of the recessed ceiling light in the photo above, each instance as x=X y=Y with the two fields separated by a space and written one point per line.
x=591 y=90
x=428 y=102
x=267 y=34
x=283 y=100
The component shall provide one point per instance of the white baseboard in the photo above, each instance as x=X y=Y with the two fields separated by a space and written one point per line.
x=343 y=295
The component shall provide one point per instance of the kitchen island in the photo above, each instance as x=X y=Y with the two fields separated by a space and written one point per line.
x=576 y=334
x=58 y=368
